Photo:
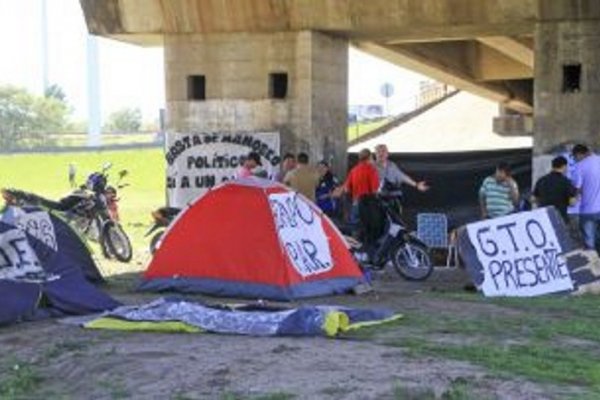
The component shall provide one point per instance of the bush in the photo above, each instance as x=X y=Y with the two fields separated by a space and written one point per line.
x=124 y=120
x=27 y=119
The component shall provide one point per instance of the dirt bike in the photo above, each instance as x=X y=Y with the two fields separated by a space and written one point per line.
x=162 y=219
x=92 y=210
x=393 y=244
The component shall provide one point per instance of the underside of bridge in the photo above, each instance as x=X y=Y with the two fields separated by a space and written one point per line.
x=536 y=57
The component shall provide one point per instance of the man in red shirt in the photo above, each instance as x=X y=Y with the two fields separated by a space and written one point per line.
x=363 y=180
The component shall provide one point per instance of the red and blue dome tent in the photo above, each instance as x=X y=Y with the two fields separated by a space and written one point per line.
x=253 y=238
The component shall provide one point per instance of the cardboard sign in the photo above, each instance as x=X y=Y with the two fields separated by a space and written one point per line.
x=198 y=161
x=519 y=255
x=301 y=233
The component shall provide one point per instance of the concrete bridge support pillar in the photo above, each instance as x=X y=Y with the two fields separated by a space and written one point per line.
x=291 y=82
x=567 y=78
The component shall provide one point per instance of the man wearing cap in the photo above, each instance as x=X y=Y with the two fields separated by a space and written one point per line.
x=250 y=163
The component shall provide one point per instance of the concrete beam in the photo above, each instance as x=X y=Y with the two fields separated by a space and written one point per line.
x=510 y=47
x=450 y=66
x=454 y=32
x=471 y=58
x=380 y=20
x=488 y=64
x=565 y=10
x=148 y=40
x=102 y=17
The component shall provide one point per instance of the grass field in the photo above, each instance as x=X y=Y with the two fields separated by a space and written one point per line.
x=47 y=175
x=106 y=139
x=362 y=128
x=547 y=340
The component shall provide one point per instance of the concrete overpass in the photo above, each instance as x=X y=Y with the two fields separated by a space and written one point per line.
x=282 y=64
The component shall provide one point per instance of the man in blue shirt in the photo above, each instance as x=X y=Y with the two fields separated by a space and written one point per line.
x=587 y=181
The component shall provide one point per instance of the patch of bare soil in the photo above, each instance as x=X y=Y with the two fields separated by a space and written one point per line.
x=88 y=364
x=104 y=365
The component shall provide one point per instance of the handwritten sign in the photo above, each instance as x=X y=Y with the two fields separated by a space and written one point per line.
x=198 y=161
x=301 y=233
x=18 y=261
x=37 y=224
x=520 y=255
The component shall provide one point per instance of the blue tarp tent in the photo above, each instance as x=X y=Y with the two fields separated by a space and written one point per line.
x=54 y=232
x=45 y=270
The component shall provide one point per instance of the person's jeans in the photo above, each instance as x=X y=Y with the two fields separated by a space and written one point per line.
x=589 y=224
x=354 y=216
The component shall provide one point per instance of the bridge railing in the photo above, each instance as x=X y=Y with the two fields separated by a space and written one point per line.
x=410 y=106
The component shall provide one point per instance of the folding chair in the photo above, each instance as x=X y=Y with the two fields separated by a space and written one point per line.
x=432 y=229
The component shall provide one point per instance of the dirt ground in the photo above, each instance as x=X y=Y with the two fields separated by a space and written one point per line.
x=64 y=361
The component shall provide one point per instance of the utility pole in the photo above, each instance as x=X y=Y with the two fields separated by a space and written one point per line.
x=93 y=92
x=44 y=42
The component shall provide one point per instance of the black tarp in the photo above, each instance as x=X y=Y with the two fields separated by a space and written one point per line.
x=455 y=179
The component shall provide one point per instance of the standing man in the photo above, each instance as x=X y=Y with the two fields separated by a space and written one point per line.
x=555 y=189
x=361 y=182
x=587 y=181
x=288 y=163
x=304 y=178
x=390 y=174
x=573 y=209
x=327 y=184
x=499 y=193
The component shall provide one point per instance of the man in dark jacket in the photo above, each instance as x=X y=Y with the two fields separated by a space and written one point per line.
x=555 y=189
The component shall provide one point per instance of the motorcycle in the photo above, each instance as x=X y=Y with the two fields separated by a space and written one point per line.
x=92 y=210
x=162 y=219
x=394 y=244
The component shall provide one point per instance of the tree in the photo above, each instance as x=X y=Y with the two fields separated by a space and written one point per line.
x=124 y=120
x=56 y=92
x=26 y=119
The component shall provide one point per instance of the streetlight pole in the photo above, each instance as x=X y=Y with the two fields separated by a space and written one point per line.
x=93 y=92
x=44 y=43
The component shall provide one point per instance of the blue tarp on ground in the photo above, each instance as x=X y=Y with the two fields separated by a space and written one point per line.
x=256 y=320
x=42 y=275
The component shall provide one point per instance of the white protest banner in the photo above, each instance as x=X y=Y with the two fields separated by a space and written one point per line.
x=301 y=233
x=198 y=161
x=520 y=255
x=18 y=261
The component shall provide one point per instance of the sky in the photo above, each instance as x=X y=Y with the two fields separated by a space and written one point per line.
x=133 y=76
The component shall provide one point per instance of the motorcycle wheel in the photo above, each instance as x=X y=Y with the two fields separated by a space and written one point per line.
x=154 y=241
x=93 y=233
x=412 y=261
x=117 y=241
x=106 y=252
